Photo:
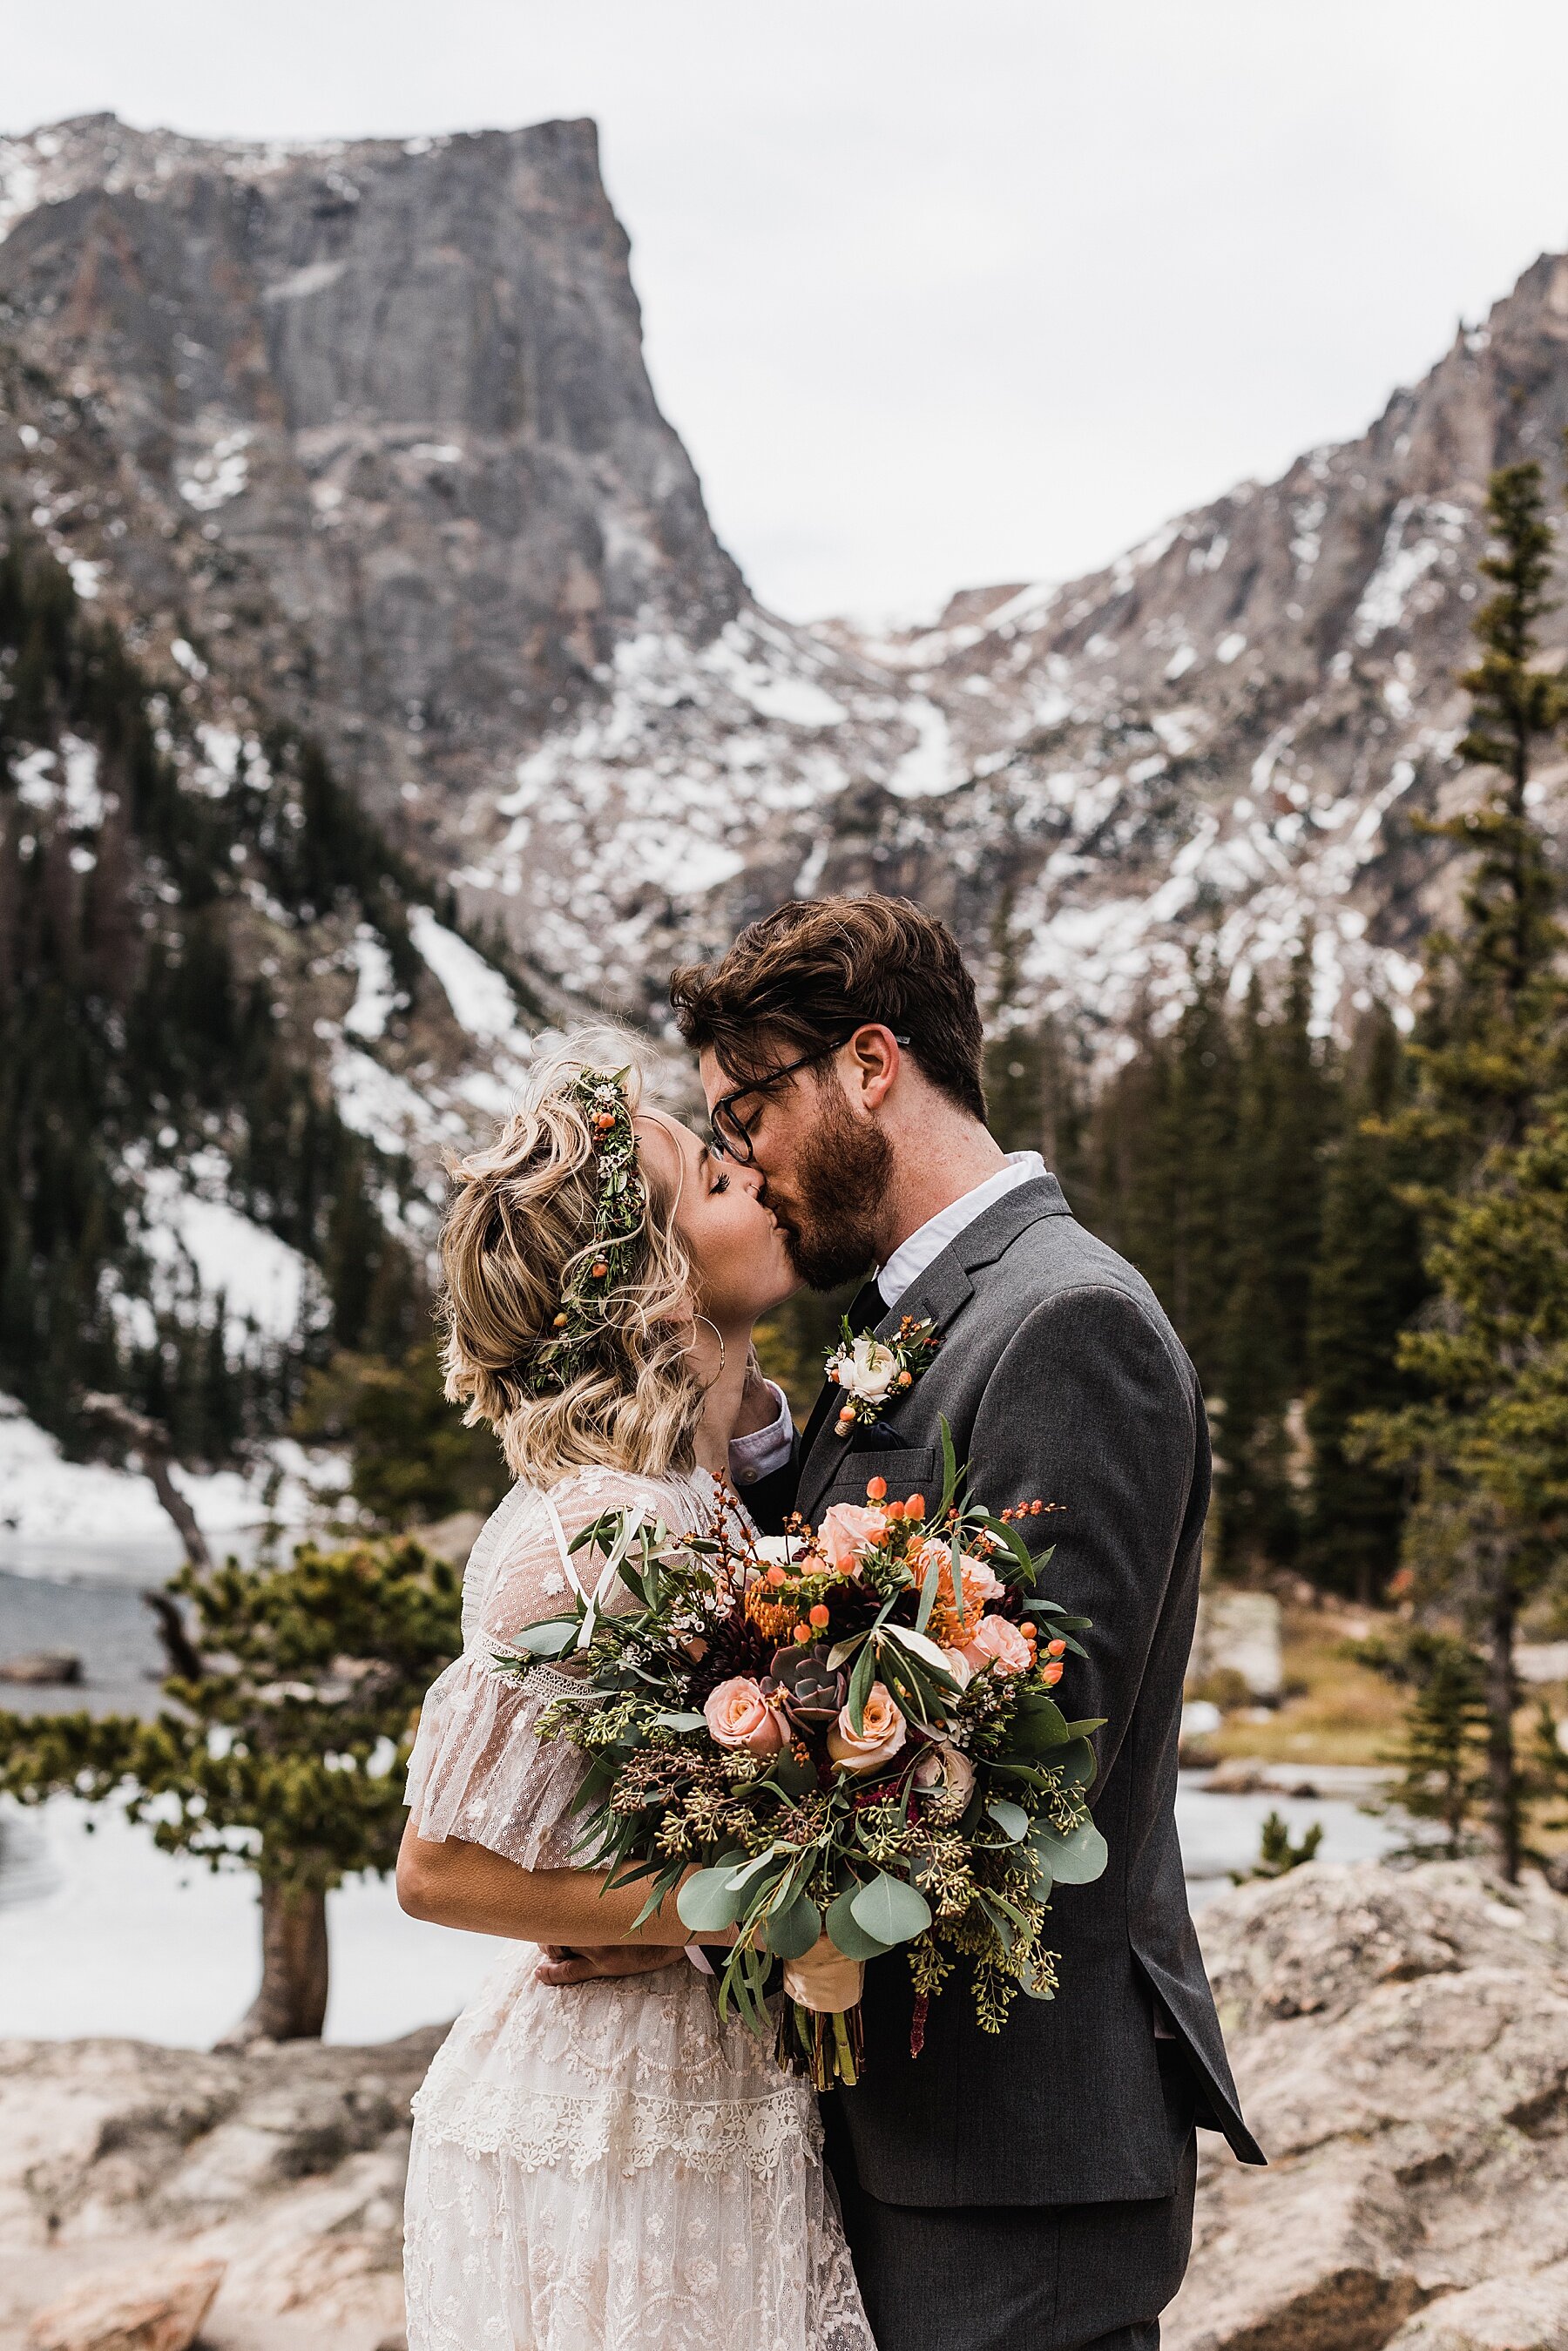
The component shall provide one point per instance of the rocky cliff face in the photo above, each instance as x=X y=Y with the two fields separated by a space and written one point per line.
x=368 y=426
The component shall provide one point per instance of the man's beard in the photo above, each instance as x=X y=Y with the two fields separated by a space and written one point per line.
x=841 y=1179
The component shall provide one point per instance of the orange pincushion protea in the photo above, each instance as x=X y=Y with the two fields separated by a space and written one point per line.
x=771 y=1617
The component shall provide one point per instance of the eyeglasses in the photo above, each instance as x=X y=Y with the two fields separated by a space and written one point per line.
x=731 y=1132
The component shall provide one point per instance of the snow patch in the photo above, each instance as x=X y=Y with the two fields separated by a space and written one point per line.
x=221 y=474
x=482 y=1003
x=375 y=993
x=929 y=767
x=201 y=1247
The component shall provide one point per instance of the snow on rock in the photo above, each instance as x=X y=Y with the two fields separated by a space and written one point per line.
x=84 y=1520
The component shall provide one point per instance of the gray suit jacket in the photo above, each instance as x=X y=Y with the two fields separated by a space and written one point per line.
x=1060 y=1378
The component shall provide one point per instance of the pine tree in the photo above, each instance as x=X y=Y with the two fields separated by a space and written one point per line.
x=1441 y=1752
x=1484 y=1444
x=1366 y=1283
x=284 y=1755
x=1255 y=1518
x=413 y=1459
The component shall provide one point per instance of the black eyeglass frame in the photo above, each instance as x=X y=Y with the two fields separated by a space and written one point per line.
x=739 y=1148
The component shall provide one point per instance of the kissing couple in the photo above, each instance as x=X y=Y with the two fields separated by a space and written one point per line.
x=599 y=2162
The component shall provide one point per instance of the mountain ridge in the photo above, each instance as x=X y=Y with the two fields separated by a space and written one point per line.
x=474 y=557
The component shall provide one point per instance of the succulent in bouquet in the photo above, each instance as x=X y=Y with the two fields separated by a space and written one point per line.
x=847 y=1732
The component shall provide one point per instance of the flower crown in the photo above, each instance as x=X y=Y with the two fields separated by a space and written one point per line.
x=618 y=1218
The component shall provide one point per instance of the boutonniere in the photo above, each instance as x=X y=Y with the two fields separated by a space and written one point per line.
x=872 y=1372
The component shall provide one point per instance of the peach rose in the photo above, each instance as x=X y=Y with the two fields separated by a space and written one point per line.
x=738 y=1715
x=877 y=1743
x=848 y=1528
x=958 y=1666
x=996 y=1640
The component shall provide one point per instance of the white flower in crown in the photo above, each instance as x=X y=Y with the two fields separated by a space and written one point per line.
x=776 y=1550
x=868 y=1370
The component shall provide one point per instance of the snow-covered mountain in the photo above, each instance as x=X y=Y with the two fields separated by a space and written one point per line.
x=366 y=428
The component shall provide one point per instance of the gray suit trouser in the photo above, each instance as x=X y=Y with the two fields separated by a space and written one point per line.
x=1024 y=2277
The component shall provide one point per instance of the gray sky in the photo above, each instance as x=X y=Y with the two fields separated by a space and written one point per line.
x=949 y=291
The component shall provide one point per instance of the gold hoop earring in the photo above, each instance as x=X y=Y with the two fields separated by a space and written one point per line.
x=718 y=1335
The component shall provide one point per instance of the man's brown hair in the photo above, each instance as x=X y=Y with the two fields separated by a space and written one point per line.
x=807 y=975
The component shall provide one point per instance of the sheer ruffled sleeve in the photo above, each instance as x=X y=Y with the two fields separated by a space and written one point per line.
x=477 y=1771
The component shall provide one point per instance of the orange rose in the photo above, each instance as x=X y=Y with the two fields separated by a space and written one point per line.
x=738 y=1715
x=848 y=1528
x=884 y=1732
x=996 y=1640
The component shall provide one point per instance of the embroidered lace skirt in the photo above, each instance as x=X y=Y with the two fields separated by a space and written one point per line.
x=608 y=2168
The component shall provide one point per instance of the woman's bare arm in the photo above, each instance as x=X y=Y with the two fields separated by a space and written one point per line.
x=466 y=1886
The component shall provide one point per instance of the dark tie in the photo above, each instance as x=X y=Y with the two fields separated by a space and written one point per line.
x=868 y=1308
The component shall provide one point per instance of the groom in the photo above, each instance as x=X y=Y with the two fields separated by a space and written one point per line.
x=1031 y=2191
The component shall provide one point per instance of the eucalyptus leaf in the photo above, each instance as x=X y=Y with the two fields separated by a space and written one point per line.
x=1075 y=1860
x=860 y=1687
x=754 y=1867
x=1007 y=1933
x=791 y=1932
x=1076 y=1765
x=949 y=1467
x=1011 y=1819
x=681 y=1721
x=707 y=1901
x=1038 y=1727
x=891 y=1910
x=548 y=1639
x=928 y=1593
x=848 y=1935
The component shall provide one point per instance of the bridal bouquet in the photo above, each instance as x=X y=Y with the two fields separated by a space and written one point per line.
x=848 y=1731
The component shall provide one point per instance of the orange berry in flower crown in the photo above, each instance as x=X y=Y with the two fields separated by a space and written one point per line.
x=915 y=1506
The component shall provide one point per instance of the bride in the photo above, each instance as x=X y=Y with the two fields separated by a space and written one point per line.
x=608 y=2167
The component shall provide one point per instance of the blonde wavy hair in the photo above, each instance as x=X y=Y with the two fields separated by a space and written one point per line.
x=518 y=1228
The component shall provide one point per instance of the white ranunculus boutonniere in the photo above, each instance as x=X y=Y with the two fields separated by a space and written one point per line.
x=871 y=1373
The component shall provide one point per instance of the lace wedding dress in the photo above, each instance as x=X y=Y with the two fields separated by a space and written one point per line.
x=603 y=2167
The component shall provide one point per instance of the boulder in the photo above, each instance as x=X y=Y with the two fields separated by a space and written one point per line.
x=1524 y=2314
x=156 y=2309
x=1237 y=1635
x=1400 y=2040
x=284 y=2166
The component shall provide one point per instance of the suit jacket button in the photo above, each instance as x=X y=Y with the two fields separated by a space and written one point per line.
x=747 y=1477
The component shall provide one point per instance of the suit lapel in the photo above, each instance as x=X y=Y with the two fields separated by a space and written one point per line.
x=940 y=1293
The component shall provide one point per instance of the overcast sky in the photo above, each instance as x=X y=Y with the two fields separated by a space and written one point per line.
x=947 y=291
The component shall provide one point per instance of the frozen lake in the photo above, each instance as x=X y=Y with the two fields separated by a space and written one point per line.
x=102 y=1933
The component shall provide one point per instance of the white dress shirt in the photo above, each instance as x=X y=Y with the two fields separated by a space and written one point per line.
x=766 y=1450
